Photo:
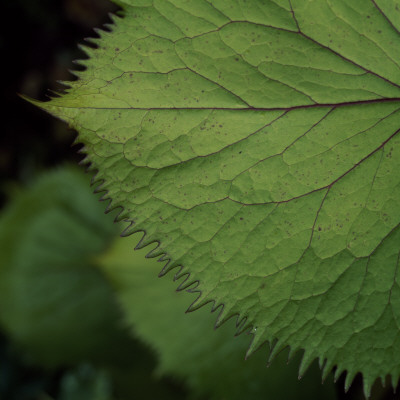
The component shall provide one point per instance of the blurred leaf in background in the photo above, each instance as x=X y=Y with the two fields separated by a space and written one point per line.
x=49 y=291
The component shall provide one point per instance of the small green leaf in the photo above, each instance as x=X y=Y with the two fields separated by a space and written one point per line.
x=258 y=143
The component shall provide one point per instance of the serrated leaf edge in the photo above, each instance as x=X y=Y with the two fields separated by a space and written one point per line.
x=188 y=285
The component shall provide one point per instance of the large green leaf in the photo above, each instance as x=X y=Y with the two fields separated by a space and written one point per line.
x=189 y=348
x=257 y=141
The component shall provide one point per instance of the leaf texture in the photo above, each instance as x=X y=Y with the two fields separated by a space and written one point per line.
x=257 y=141
x=187 y=346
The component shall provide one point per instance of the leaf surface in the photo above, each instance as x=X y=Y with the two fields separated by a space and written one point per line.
x=258 y=143
x=187 y=346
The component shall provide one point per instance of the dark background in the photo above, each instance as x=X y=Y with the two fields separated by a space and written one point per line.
x=38 y=41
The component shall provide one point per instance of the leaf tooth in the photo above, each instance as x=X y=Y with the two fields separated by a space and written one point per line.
x=98 y=31
x=101 y=32
x=292 y=352
x=53 y=93
x=85 y=160
x=182 y=271
x=121 y=214
x=114 y=17
x=82 y=149
x=74 y=73
x=242 y=325
x=64 y=83
x=157 y=252
x=199 y=302
x=395 y=382
x=91 y=42
x=79 y=62
x=306 y=361
x=223 y=315
x=145 y=240
x=327 y=368
x=276 y=348
x=367 y=386
x=108 y=27
x=166 y=268
x=129 y=230
x=256 y=342
x=91 y=169
x=186 y=283
x=111 y=207
x=240 y=321
x=105 y=197
x=179 y=273
x=120 y=13
x=96 y=176
x=169 y=266
x=221 y=320
x=349 y=379
x=184 y=277
x=337 y=373
x=194 y=289
x=99 y=186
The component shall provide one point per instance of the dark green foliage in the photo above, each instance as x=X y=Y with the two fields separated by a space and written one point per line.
x=49 y=290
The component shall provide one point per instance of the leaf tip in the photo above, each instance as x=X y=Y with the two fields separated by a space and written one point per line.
x=305 y=363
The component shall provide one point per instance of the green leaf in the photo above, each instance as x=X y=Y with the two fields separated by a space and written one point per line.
x=258 y=143
x=187 y=346
x=55 y=305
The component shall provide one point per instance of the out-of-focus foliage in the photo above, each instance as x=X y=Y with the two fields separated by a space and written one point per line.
x=50 y=293
x=86 y=384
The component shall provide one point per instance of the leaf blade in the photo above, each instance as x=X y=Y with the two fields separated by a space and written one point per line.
x=272 y=182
